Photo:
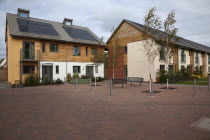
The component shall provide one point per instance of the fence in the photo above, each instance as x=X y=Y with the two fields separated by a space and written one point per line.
x=3 y=74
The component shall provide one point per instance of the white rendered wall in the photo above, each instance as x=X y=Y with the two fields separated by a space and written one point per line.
x=138 y=65
x=62 y=69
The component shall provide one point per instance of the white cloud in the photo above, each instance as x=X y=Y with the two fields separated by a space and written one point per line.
x=102 y=15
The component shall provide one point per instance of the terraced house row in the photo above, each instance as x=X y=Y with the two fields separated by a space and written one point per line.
x=50 y=50
x=134 y=62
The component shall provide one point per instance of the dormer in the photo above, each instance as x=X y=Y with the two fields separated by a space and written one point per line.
x=23 y=13
x=67 y=21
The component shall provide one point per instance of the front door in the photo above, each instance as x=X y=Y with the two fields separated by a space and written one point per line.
x=47 y=73
x=89 y=71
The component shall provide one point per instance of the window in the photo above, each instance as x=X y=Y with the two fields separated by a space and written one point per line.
x=188 y=68
x=183 y=56
x=43 y=47
x=182 y=68
x=170 y=68
x=76 y=50
x=68 y=23
x=162 y=67
x=28 y=69
x=208 y=69
x=86 y=50
x=96 y=69
x=162 y=53
x=23 y=14
x=54 y=47
x=94 y=51
x=196 y=58
x=125 y=50
x=57 y=69
x=189 y=52
x=208 y=59
x=76 y=69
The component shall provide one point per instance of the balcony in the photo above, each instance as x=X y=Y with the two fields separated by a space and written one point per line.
x=197 y=60
x=183 y=58
x=29 y=55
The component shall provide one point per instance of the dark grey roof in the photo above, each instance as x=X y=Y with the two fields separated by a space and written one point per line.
x=160 y=34
x=50 y=30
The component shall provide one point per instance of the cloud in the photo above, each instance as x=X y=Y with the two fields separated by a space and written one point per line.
x=102 y=15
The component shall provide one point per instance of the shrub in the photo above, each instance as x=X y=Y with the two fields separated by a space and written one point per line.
x=69 y=78
x=58 y=81
x=162 y=75
x=98 y=79
x=48 y=82
x=83 y=77
x=31 y=81
x=76 y=75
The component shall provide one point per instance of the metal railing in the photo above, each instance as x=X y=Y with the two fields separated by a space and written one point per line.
x=26 y=54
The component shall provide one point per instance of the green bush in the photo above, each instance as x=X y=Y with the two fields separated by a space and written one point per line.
x=68 y=77
x=48 y=82
x=76 y=76
x=58 y=81
x=162 y=75
x=83 y=77
x=31 y=81
x=98 y=79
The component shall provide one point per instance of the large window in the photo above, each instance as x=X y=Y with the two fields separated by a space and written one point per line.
x=162 y=53
x=57 y=69
x=94 y=51
x=28 y=69
x=76 y=50
x=43 y=48
x=54 y=47
x=183 y=56
x=76 y=69
x=196 y=58
x=162 y=67
x=170 y=68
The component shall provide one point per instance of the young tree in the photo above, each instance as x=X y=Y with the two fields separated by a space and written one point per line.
x=153 y=24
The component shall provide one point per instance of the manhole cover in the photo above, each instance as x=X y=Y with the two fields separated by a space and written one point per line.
x=203 y=123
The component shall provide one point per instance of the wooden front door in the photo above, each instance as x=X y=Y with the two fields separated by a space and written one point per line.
x=47 y=73
x=89 y=71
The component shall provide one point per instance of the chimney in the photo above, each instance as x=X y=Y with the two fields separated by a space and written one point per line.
x=23 y=13
x=67 y=21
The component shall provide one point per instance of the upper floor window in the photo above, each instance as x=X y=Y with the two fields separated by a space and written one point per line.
x=196 y=58
x=76 y=51
x=125 y=50
x=183 y=56
x=86 y=50
x=43 y=48
x=54 y=47
x=162 y=53
x=23 y=14
x=94 y=51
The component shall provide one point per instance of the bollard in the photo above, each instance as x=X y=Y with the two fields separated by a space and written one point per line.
x=208 y=82
x=75 y=83
x=167 y=83
x=152 y=86
x=194 y=87
x=110 y=94
x=90 y=84
x=95 y=81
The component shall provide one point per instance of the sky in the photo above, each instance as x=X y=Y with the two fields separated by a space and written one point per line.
x=193 y=16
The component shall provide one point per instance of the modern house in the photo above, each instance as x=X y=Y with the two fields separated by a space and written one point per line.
x=134 y=62
x=49 y=49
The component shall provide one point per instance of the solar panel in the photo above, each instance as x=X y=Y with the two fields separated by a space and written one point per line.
x=36 y=27
x=79 y=34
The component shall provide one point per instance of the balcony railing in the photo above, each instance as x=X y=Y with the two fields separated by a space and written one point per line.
x=183 y=58
x=29 y=55
x=197 y=60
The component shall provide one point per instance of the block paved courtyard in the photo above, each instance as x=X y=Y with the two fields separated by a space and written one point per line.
x=65 y=113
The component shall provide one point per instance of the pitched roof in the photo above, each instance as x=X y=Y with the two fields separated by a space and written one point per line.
x=160 y=34
x=50 y=30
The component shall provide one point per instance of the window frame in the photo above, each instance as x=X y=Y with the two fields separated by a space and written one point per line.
x=31 y=69
x=79 y=70
x=56 y=48
x=96 y=51
x=162 y=55
x=43 y=48
x=86 y=51
x=74 y=51
x=162 y=66
x=20 y=13
x=57 y=69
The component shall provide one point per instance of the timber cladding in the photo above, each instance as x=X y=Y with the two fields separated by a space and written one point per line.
x=175 y=60
x=124 y=35
x=192 y=60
